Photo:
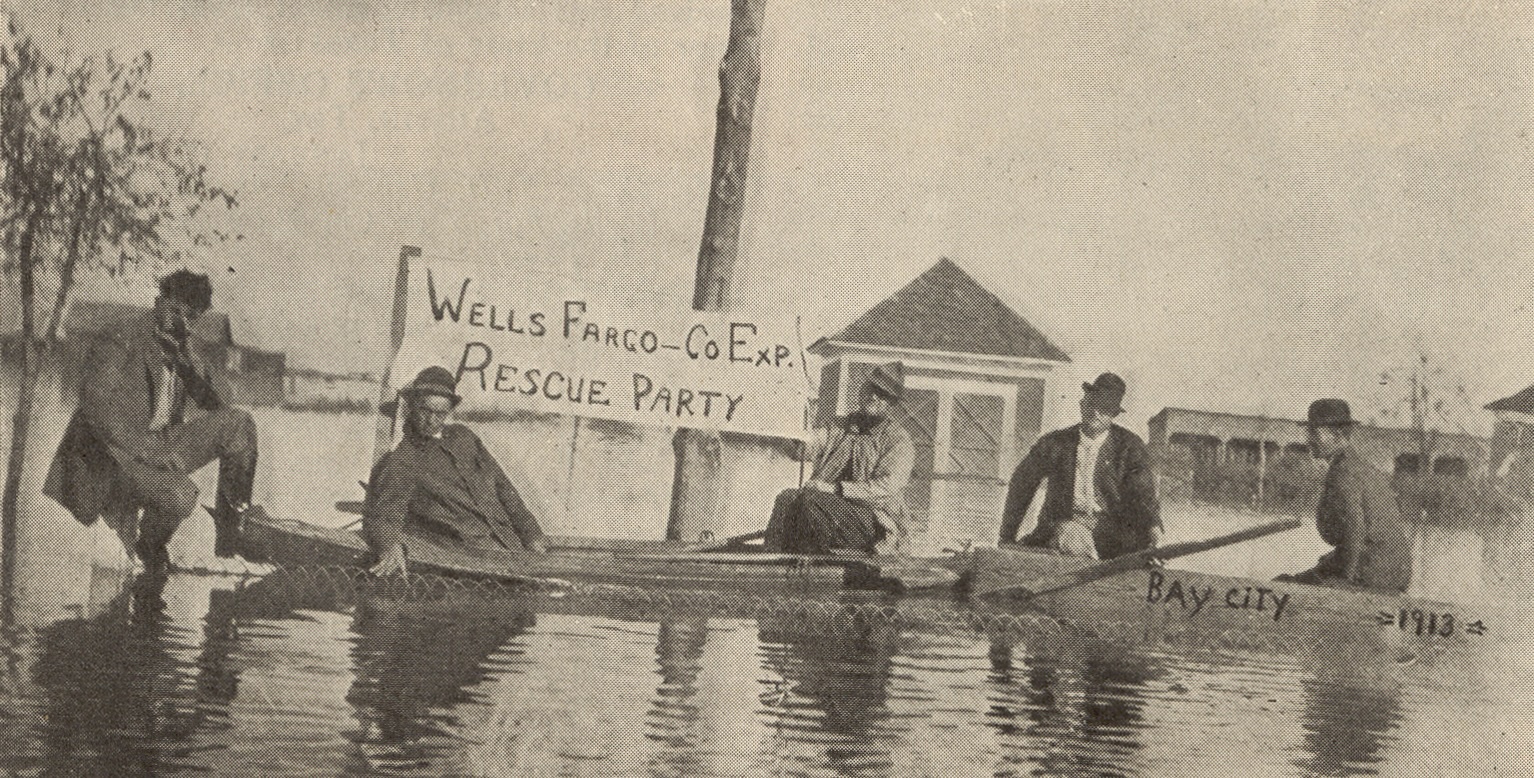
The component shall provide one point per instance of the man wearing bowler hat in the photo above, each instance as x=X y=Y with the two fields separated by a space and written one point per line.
x=1357 y=513
x=1101 y=499
x=854 y=500
x=441 y=485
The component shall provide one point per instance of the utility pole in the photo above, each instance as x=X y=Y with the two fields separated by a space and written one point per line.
x=696 y=495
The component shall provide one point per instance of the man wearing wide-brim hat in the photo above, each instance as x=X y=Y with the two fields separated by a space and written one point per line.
x=1101 y=499
x=854 y=500
x=440 y=485
x=1357 y=512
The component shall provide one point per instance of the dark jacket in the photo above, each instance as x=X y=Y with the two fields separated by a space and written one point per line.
x=450 y=487
x=1358 y=515
x=1126 y=488
x=111 y=423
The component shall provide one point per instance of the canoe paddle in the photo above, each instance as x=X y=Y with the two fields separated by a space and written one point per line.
x=1048 y=584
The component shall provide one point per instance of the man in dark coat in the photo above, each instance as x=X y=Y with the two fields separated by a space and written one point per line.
x=855 y=498
x=441 y=482
x=1357 y=512
x=132 y=441
x=1111 y=511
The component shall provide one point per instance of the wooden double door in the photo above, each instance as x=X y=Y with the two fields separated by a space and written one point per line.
x=965 y=438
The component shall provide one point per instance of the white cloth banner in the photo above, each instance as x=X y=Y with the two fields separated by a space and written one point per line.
x=555 y=345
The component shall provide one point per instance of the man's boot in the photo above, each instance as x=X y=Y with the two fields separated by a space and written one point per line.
x=236 y=477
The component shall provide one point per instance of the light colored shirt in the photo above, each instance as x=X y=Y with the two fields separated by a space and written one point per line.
x=1086 y=499
x=165 y=399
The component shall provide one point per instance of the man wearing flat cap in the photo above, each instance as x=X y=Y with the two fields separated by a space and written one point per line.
x=854 y=500
x=1101 y=499
x=441 y=482
x=1357 y=513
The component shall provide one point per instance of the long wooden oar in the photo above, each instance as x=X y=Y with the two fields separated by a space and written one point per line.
x=1049 y=584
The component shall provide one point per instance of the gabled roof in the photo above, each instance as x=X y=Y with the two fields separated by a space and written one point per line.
x=945 y=309
x=1522 y=402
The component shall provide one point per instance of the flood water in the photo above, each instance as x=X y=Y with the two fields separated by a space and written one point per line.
x=321 y=676
x=301 y=676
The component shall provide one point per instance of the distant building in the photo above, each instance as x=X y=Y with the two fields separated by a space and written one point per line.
x=1512 y=441
x=977 y=379
x=88 y=319
x=211 y=332
x=1205 y=439
x=317 y=389
x=256 y=375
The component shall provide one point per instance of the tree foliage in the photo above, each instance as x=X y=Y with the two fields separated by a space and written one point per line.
x=85 y=182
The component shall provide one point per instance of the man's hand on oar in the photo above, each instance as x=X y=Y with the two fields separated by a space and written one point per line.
x=1158 y=536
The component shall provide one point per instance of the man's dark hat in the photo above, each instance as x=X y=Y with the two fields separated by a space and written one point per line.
x=888 y=380
x=194 y=289
x=1107 y=392
x=1329 y=412
x=431 y=381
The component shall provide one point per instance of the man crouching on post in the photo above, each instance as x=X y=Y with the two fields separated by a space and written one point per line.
x=152 y=412
x=854 y=499
x=442 y=483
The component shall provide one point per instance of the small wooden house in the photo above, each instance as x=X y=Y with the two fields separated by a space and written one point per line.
x=978 y=378
x=1512 y=441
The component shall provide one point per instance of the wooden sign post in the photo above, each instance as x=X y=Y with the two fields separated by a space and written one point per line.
x=383 y=431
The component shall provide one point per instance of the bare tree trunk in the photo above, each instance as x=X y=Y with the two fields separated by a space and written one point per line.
x=88 y=198
x=696 y=498
x=21 y=424
x=32 y=356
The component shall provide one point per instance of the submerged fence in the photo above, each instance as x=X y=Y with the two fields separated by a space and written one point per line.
x=289 y=589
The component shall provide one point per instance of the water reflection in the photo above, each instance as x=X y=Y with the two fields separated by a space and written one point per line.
x=1347 y=719
x=416 y=662
x=677 y=712
x=118 y=689
x=318 y=675
x=835 y=689
x=1068 y=712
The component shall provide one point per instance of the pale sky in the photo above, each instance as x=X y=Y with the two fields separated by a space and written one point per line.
x=1238 y=206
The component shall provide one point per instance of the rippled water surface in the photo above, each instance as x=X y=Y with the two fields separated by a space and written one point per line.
x=310 y=676
x=294 y=676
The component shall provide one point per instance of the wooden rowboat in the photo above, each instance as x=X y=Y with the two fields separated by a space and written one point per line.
x=1164 y=605
x=290 y=543
x=1157 y=605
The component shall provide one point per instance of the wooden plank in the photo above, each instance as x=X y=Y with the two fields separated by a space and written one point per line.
x=611 y=545
x=752 y=558
x=383 y=426
x=288 y=542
